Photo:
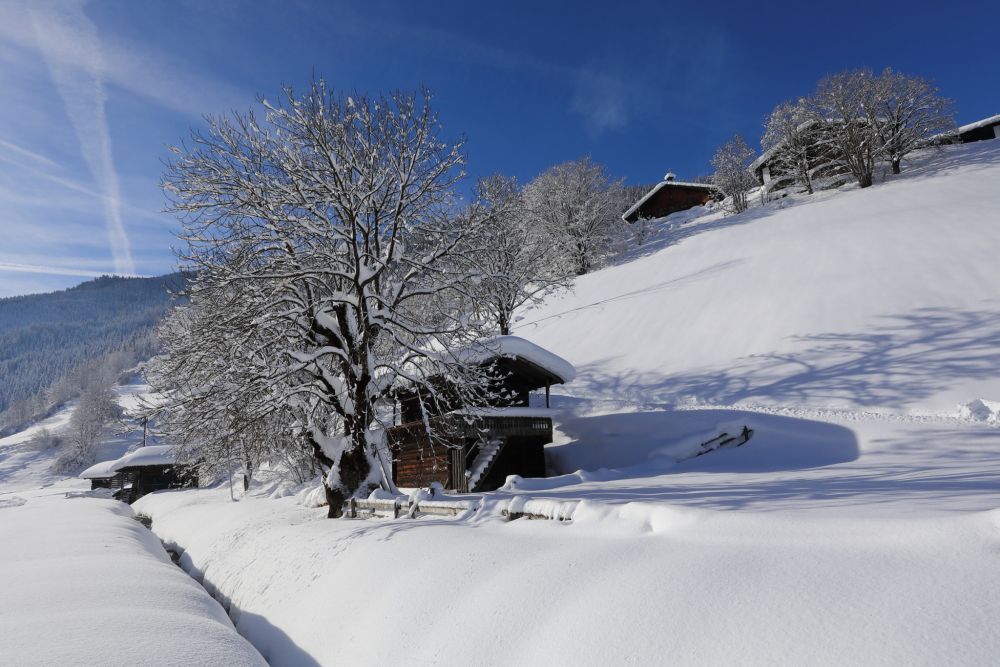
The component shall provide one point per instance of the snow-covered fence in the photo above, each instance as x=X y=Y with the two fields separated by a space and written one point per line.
x=521 y=507
x=406 y=507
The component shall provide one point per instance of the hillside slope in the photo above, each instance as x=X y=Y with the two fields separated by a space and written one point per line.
x=882 y=299
x=45 y=336
x=859 y=525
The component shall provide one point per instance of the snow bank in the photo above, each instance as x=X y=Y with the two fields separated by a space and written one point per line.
x=84 y=583
x=638 y=583
x=981 y=411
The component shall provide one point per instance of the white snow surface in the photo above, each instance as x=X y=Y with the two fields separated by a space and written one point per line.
x=85 y=584
x=100 y=470
x=859 y=525
x=153 y=455
x=884 y=298
x=636 y=583
x=515 y=346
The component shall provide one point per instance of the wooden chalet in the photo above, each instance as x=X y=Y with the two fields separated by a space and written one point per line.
x=149 y=469
x=669 y=196
x=475 y=448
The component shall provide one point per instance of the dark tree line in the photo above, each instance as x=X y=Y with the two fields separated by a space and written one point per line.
x=51 y=343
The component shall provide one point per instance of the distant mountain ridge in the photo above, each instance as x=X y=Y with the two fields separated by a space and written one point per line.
x=45 y=337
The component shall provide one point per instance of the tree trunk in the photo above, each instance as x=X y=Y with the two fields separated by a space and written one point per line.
x=865 y=180
x=247 y=474
x=334 y=498
x=895 y=165
x=354 y=469
x=582 y=263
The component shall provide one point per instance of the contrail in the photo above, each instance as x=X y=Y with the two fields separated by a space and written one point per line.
x=69 y=43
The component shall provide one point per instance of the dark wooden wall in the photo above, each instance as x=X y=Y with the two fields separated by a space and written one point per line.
x=673 y=198
x=978 y=134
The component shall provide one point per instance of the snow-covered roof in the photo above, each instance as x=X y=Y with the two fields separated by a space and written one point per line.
x=769 y=153
x=764 y=157
x=154 y=455
x=100 y=470
x=659 y=186
x=985 y=122
x=517 y=347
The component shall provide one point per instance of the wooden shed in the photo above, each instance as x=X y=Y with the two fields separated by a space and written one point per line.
x=149 y=469
x=669 y=196
x=101 y=475
x=475 y=448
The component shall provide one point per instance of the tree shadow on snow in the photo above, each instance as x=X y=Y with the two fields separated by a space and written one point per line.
x=894 y=365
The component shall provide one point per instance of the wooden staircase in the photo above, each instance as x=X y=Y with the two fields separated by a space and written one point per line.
x=483 y=462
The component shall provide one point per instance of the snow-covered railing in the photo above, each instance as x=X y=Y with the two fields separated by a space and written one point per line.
x=522 y=507
x=406 y=507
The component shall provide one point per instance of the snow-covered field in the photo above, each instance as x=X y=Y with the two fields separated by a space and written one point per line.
x=857 y=332
x=85 y=584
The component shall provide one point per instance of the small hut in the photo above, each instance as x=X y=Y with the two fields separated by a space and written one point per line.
x=149 y=469
x=101 y=475
x=987 y=128
x=475 y=448
x=669 y=196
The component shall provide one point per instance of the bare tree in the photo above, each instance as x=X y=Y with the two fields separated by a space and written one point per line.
x=905 y=111
x=575 y=204
x=840 y=103
x=732 y=175
x=95 y=409
x=789 y=135
x=327 y=228
x=515 y=259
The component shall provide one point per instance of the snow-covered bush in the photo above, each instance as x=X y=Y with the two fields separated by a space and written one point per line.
x=45 y=439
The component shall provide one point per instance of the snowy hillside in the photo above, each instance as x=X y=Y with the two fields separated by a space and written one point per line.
x=879 y=299
x=24 y=466
x=858 y=525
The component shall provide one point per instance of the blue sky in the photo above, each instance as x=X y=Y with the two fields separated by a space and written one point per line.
x=93 y=92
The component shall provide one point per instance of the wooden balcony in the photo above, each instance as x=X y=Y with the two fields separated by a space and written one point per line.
x=454 y=429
